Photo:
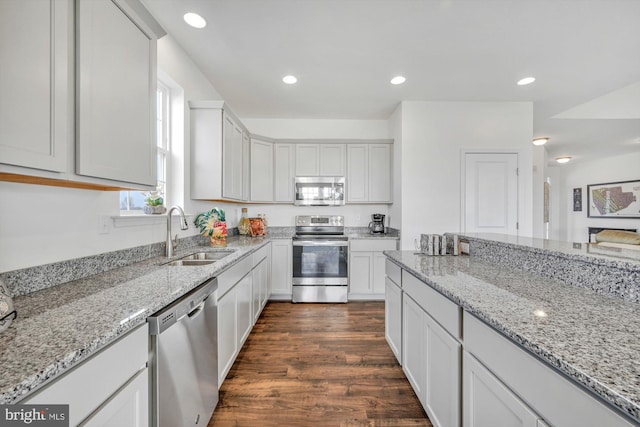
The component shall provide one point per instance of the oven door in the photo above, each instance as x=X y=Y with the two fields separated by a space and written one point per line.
x=321 y=262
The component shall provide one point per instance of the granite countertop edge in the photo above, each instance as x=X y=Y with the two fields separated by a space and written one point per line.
x=194 y=276
x=616 y=399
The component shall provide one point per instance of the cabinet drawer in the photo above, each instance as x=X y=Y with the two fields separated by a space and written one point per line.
x=444 y=311
x=394 y=272
x=546 y=391
x=87 y=386
x=233 y=275
x=372 y=245
x=260 y=254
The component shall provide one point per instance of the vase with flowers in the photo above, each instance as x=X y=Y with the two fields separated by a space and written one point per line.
x=213 y=225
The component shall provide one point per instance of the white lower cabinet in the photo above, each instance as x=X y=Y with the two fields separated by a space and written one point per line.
x=488 y=402
x=413 y=345
x=242 y=289
x=443 y=357
x=367 y=267
x=108 y=389
x=393 y=317
x=281 y=269
x=431 y=362
x=129 y=407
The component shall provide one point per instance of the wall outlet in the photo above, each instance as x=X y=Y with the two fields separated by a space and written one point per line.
x=104 y=225
x=358 y=218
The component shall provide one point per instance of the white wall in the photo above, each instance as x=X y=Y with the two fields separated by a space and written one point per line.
x=41 y=224
x=573 y=226
x=433 y=137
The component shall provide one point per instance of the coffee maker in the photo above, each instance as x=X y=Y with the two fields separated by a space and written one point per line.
x=376 y=226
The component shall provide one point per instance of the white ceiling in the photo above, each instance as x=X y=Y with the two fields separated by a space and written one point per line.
x=585 y=55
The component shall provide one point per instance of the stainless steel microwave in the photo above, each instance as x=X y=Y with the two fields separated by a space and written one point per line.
x=319 y=190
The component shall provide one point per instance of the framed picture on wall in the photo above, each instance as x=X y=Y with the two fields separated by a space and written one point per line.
x=614 y=200
x=577 y=199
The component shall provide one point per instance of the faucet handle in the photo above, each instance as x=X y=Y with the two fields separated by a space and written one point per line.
x=174 y=243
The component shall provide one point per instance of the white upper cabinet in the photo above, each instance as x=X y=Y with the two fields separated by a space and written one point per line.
x=320 y=159
x=232 y=167
x=332 y=159
x=283 y=172
x=307 y=159
x=115 y=92
x=219 y=153
x=35 y=106
x=369 y=173
x=261 y=171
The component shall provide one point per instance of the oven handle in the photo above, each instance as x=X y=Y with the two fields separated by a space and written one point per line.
x=320 y=243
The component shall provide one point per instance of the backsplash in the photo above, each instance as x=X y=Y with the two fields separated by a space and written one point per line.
x=611 y=276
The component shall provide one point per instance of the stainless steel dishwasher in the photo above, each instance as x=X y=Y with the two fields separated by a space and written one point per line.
x=184 y=362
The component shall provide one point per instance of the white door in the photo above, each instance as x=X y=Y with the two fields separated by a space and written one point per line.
x=491 y=193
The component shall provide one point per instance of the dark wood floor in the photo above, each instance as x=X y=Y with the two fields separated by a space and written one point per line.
x=318 y=365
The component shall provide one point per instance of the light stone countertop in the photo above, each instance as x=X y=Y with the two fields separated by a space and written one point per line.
x=590 y=337
x=61 y=326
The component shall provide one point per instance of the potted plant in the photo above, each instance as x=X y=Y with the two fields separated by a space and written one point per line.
x=154 y=202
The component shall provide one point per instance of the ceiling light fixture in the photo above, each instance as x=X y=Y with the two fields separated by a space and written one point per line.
x=398 y=80
x=564 y=159
x=540 y=141
x=526 y=81
x=195 y=20
x=290 y=79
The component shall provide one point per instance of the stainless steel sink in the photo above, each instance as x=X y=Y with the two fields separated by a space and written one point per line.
x=192 y=262
x=200 y=258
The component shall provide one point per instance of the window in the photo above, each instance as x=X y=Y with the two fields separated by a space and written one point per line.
x=132 y=202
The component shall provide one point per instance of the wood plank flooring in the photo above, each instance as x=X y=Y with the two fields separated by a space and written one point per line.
x=318 y=365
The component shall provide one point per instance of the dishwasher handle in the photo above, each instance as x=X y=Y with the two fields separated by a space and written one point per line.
x=193 y=313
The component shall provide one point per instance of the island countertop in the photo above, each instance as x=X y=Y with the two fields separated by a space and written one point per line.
x=588 y=336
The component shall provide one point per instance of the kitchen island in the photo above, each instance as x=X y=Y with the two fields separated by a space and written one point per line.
x=583 y=330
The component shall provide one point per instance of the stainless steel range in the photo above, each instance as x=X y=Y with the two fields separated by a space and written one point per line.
x=320 y=259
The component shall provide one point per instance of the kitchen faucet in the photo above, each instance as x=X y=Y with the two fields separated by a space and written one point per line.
x=172 y=244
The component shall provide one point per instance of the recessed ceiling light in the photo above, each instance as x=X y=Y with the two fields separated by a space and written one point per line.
x=398 y=80
x=195 y=20
x=290 y=79
x=564 y=159
x=540 y=141
x=526 y=81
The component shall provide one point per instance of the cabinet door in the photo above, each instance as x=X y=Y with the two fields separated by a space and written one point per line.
x=284 y=172
x=257 y=287
x=245 y=315
x=380 y=172
x=227 y=327
x=413 y=346
x=357 y=173
x=360 y=269
x=34 y=82
x=378 y=271
x=332 y=159
x=307 y=160
x=129 y=407
x=393 y=317
x=281 y=268
x=488 y=402
x=266 y=281
x=246 y=172
x=232 y=155
x=116 y=99
x=442 y=394
x=261 y=171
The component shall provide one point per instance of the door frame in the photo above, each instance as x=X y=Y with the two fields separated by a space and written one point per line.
x=463 y=176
